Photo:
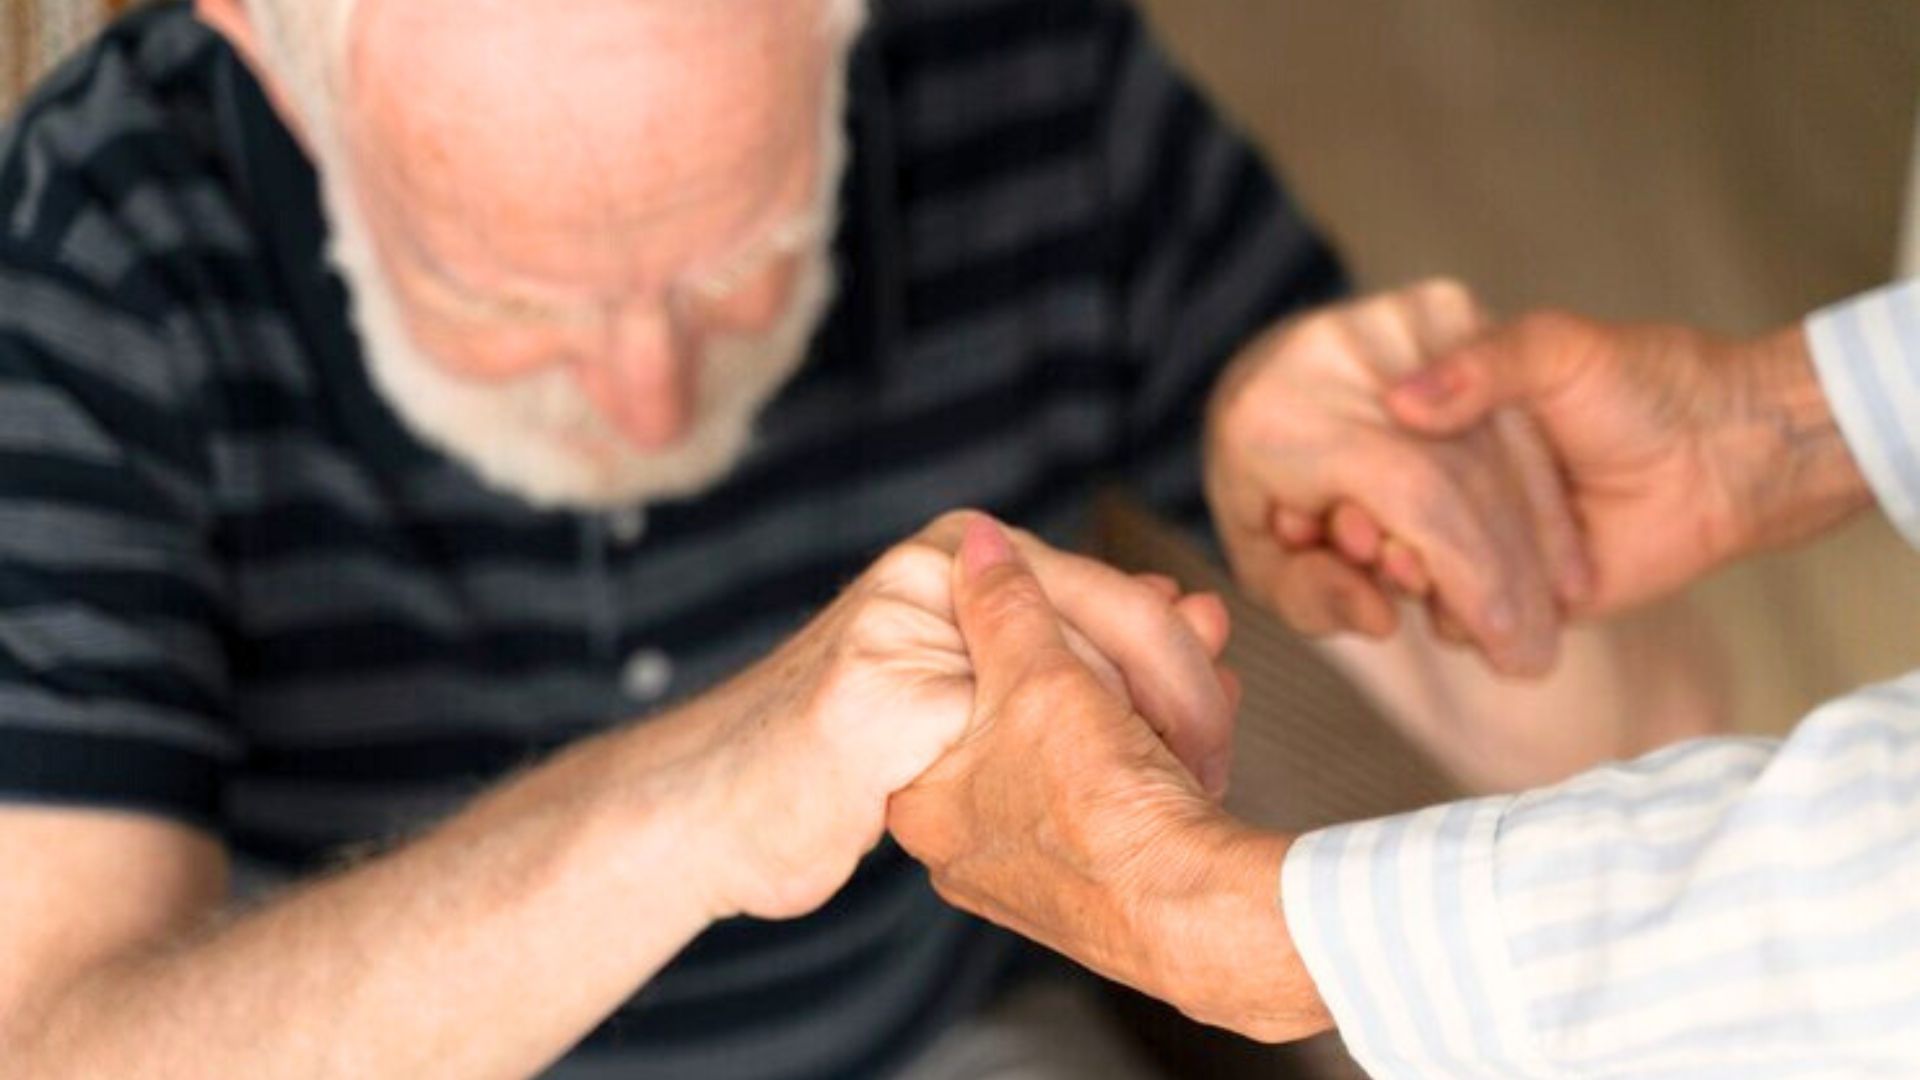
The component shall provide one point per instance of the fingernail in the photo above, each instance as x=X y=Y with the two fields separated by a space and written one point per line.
x=984 y=547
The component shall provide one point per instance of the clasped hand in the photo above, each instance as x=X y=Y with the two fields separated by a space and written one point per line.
x=805 y=747
x=1510 y=476
x=1061 y=815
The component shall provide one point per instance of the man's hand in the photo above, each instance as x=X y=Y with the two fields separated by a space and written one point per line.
x=1681 y=451
x=1060 y=815
x=1327 y=507
x=811 y=741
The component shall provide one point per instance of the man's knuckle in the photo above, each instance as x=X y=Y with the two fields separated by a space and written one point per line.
x=910 y=563
x=876 y=628
x=1322 y=335
x=948 y=524
x=890 y=565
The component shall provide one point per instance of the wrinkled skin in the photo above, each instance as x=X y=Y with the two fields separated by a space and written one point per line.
x=1060 y=815
x=879 y=685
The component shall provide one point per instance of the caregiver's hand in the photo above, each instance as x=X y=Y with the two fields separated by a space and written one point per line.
x=1327 y=507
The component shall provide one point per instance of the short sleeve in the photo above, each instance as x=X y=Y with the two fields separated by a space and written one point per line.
x=113 y=674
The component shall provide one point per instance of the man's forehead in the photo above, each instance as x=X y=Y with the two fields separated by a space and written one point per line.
x=636 y=103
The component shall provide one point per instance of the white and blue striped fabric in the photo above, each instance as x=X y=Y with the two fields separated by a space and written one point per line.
x=1725 y=908
x=1868 y=353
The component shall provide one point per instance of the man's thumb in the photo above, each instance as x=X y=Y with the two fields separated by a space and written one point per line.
x=1003 y=613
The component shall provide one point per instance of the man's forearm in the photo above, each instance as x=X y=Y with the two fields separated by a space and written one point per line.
x=485 y=948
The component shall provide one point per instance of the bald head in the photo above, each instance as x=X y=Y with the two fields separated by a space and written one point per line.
x=304 y=43
x=613 y=145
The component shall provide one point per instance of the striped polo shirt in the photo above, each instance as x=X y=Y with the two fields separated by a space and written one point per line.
x=236 y=592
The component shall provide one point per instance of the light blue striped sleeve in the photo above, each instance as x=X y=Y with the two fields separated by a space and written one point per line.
x=1725 y=908
x=1867 y=351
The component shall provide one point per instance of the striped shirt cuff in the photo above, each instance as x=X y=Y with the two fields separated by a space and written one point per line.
x=1867 y=352
x=1399 y=924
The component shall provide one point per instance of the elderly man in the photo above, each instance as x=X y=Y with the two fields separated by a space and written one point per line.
x=1731 y=907
x=378 y=380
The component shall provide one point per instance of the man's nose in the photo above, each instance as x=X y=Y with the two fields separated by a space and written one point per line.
x=643 y=379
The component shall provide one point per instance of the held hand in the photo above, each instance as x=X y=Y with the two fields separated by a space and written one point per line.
x=810 y=742
x=1327 y=507
x=1681 y=451
x=1060 y=815
x=1143 y=634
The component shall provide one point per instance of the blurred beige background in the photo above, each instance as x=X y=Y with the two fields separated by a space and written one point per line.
x=1731 y=162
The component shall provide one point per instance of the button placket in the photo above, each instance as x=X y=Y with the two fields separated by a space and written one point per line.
x=647 y=675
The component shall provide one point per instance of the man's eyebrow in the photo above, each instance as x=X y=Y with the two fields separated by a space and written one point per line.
x=499 y=303
x=776 y=222
x=410 y=248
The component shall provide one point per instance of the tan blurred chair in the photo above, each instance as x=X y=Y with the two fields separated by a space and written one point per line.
x=37 y=34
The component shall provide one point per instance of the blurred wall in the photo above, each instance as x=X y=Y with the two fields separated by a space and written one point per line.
x=1734 y=162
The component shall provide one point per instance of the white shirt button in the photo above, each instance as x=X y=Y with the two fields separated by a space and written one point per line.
x=627 y=526
x=647 y=676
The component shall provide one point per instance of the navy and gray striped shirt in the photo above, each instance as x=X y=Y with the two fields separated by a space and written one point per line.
x=234 y=591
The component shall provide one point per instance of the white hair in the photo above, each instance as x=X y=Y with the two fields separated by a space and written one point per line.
x=305 y=45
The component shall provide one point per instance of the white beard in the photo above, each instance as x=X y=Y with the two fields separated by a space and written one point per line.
x=538 y=437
